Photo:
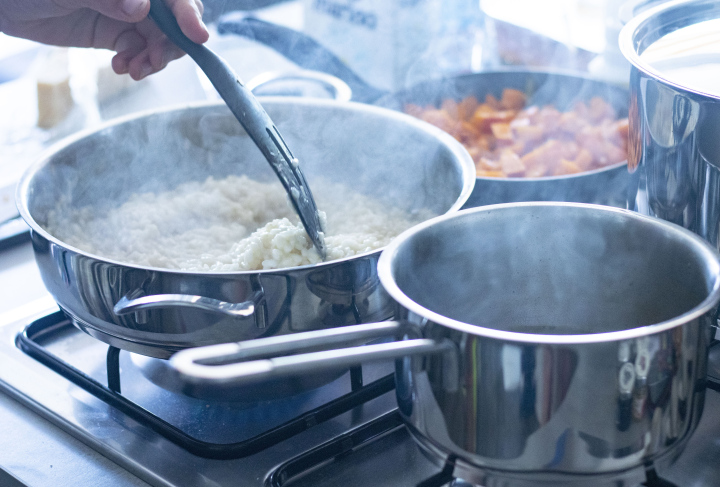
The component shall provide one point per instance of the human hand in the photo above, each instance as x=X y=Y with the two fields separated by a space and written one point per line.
x=118 y=25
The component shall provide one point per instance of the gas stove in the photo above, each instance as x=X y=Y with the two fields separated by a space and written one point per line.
x=342 y=430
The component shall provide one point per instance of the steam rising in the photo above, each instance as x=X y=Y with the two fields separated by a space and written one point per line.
x=372 y=153
x=551 y=270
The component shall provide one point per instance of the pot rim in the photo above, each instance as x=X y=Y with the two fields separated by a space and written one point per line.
x=467 y=167
x=711 y=255
x=641 y=31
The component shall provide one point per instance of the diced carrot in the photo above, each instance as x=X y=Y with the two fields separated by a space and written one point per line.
x=485 y=141
x=487 y=164
x=569 y=149
x=503 y=136
x=492 y=102
x=548 y=153
x=414 y=110
x=612 y=155
x=581 y=110
x=482 y=119
x=511 y=164
x=584 y=159
x=450 y=107
x=476 y=152
x=549 y=118
x=536 y=171
x=599 y=109
x=504 y=144
x=527 y=133
x=501 y=130
x=465 y=132
x=571 y=123
x=467 y=107
x=512 y=99
x=440 y=119
x=489 y=174
x=566 y=167
x=591 y=139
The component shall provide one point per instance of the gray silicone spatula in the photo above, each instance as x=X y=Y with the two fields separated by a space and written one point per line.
x=252 y=117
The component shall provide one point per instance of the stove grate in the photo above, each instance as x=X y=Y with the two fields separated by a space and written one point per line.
x=364 y=436
x=338 y=447
x=29 y=342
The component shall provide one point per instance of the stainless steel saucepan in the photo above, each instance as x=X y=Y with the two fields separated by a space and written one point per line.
x=400 y=161
x=561 y=343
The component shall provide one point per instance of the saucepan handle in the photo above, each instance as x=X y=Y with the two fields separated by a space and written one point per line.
x=128 y=305
x=236 y=364
x=338 y=88
x=302 y=49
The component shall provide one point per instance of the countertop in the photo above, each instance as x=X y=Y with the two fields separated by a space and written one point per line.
x=36 y=452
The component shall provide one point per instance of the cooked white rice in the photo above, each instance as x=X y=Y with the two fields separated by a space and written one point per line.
x=233 y=224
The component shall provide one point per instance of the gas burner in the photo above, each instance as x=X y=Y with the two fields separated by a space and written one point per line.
x=346 y=432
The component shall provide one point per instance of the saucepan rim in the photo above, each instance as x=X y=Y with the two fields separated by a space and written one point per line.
x=700 y=246
x=642 y=25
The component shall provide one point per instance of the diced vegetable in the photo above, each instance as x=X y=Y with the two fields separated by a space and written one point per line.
x=507 y=139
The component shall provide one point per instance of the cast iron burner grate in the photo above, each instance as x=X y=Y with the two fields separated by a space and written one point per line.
x=29 y=341
x=373 y=431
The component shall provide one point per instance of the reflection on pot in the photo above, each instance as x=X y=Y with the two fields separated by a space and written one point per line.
x=674 y=121
x=350 y=293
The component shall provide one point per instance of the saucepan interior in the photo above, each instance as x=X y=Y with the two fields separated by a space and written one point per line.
x=550 y=269
x=374 y=151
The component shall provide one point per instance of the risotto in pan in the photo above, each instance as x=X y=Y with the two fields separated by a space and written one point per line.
x=232 y=224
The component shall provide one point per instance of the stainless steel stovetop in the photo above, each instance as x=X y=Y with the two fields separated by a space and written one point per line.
x=326 y=436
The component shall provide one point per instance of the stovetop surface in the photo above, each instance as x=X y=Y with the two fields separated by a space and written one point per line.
x=391 y=458
x=36 y=403
x=148 y=454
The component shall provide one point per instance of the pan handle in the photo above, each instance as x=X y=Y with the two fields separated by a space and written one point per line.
x=340 y=90
x=128 y=305
x=241 y=363
x=301 y=49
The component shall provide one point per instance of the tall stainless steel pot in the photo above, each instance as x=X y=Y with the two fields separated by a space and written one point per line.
x=545 y=343
x=154 y=311
x=674 y=143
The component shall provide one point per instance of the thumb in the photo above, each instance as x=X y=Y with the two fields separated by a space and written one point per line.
x=124 y=10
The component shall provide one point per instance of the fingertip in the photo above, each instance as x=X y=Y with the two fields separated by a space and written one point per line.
x=189 y=17
x=134 y=10
x=119 y=64
x=200 y=36
x=196 y=30
x=145 y=70
x=140 y=66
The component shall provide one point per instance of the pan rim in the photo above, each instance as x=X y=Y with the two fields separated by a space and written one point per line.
x=454 y=147
x=385 y=273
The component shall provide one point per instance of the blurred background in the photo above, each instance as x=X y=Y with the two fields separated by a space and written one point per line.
x=47 y=93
